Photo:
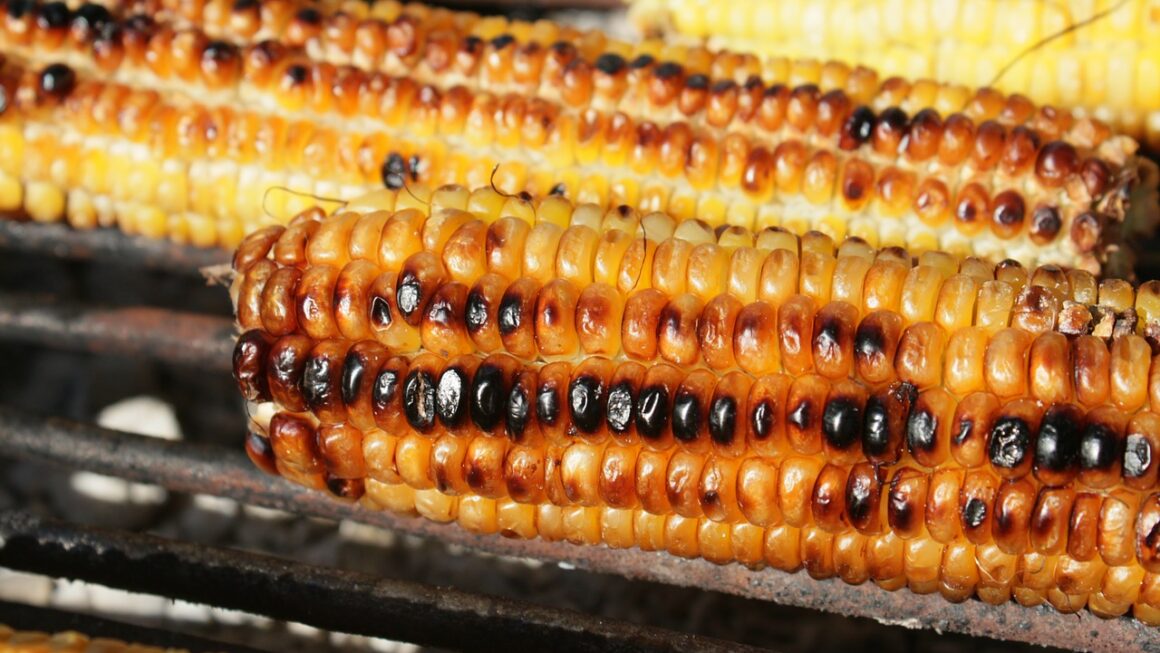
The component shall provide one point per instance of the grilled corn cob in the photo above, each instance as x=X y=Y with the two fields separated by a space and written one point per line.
x=1104 y=62
x=831 y=166
x=16 y=641
x=891 y=414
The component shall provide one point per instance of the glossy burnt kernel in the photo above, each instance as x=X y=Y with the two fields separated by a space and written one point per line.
x=887 y=416
x=1101 y=448
x=422 y=274
x=1141 y=448
x=889 y=130
x=842 y=421
x=419 y=391
x=928 y=428
x=976 y=501
x=906 y=502
x=653 y=413
x=588 y=394
x=1057 y=445
x=387 y=395
x=551 y=402
x=1007 y=214
x=1057 y=161
x=322 y=380
x=623 y=390
x=972 y=206
x=57 y=81
x=489 y=393
x=453 y=395
x=516 y=317
x=519 y=410
x=857 y=129
x=394 y=171
x=1045 y=224
x=250 y=355
x=691 y=408
x=1011 y=441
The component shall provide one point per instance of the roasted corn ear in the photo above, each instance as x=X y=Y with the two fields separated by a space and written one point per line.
x=1061 y=192
x=1101 y=59
x=936 y=422
x=24 y=641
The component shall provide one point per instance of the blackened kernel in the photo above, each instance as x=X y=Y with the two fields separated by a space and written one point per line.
x=900 y=511
x=386 y=387
x=419 y=399
x=610 y=63
x=620 y=407
x=965 y=430
x=922 y=431
x=509 y=314
x=876 y=432
x=316 y=388
x=559 y=190
x=723 y=86
x=1098 y=448
x=18 y=9
x=451 y=396
x=308 y=15
x=841 y=422
x=653 y=411
x=381 y=313
x=219 y=52
x=1010 y=440
x=548 y=405
x=297 y=74
x=723 y=420
x=250 y=354
x=763 y=419
x=409 y=294
x=686 y=416
x=802 y=415
x=1057 y=446
x=974 y=512
x=57 y=80
x=53 y=15
x=1008 y=209
x=858 y=497
x=643 y=61
x=502 y=41
x=668 y=69
x=475 y=311
x=518 y=410
x=415 y=167
x=697 y=82
x=487 y=396
x=869 y=341
x=394 y=171
x=586 y=399
x=345 y=488
x=441 y=311
x=892 y=121
x=354 y=368
x=1137 y=455
x=91 y=18
x=1045 y=223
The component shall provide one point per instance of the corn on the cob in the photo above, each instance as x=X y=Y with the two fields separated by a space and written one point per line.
x=1105 y=61
x=1068 y=201
x=968 y=418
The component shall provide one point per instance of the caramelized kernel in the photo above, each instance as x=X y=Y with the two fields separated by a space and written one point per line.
x=924 y=136
x=1056 y=162
x=1045 y=224
x=857 y=129
x=1022 y=146
x=887 y=414
x=990 y=141
x=1007 y=210
x=971 y=208
x=889 y=130
x=863 y=498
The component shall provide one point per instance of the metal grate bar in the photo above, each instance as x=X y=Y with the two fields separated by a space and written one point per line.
x=193 y=339
x=48 y=620
x=109 y=246
x=193 y=468
x=323 y=597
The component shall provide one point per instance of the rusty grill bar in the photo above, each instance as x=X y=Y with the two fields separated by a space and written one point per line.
x=212 y=470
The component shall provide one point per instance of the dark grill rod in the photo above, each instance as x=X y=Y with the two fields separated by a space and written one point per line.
x=323 y=597
x=107 y=245
x=185 y=467
x=48 y=620
x=192 y=339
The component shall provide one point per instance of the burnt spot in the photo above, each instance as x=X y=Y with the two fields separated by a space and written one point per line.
x=974 y=512
x=296 y=74
x=53 y=15
x=922 y=431
x=442 y=312
x=723 y=86
x=559 y=190
x=90 y=19
x=900 y=511
x=723 y=420
x=619 y=409
x=687 y=416
x=509 y=313
x=502 y=41
x=857 y=129
x=585 y=399
x=643 y=61
x=518 y=410
x=697 y=82
x=316 y=385
x=802 y=415
x=1008 y=209
x=394 y=171
x=1098 y=447
x=451 y=396
x=286 y=366
x=386 y=388
x=487 y=396
x=345 y=488
x=763 y=419
x=869 y=340
x=475 y=310
x=1010 y=439
x=860 y=499
x=261 y=452
x=841 y=422
x=653 y=413
x=250 y=352
x=219 y=52
x=419 y=399
x=57 y=80
x=245 y=5
x=381 y=313
x=668 y=70
x=415 y=167
x=18 y=9
x=610 y=63
x=1137 y=456
x=964 y=431
x=354 y=368
x=1057 y=447
x=831 y=331
x=409 y=294
x=1045 y=224
x=548 y=404
x=309 y=15
x=876 y=433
